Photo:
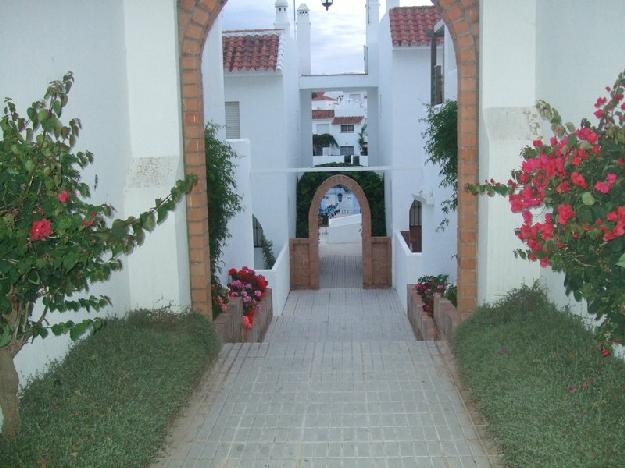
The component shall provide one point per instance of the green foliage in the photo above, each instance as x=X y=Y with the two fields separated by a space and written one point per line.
x=324 y=140
x=371 y=183
x=451 y=294
x=570 y=191
x=548 y=397
x=267 y=248
x=223 y=200
x=441 y=143
x=111 y=400
x=362 y=141
x=53 y=242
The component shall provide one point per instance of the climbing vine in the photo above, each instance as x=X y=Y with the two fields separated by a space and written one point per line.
x=372 y=184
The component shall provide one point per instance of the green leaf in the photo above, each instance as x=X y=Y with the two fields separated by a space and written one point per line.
x=588 y=199
x=621 y=261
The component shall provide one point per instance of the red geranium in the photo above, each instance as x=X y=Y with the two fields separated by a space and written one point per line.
x=63 y=196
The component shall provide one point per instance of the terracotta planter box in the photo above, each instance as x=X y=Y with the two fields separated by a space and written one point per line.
x=440 y=325
x=422 y=323
x=228 y=324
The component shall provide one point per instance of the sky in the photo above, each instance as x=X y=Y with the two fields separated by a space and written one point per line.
x=337 y=36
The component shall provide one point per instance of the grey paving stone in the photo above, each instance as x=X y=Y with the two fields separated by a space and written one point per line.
x=340 y=381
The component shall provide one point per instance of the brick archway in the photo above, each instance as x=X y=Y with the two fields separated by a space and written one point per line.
x=313 y=240
x=462 y=19
x=195 y=18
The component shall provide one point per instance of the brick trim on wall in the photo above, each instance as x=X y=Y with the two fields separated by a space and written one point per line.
x=462 y=19
x=195 y=18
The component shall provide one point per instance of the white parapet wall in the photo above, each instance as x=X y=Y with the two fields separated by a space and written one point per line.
x=344 y=229
x=279 y=279
x=408 y=267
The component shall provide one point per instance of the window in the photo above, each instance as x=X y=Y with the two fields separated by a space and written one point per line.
x=323 y=128
x=233 y=120
x=347 y=150
x=354 y=97
x=436 y=71
x=258 y=232
x=347 y=129
x=415 y=236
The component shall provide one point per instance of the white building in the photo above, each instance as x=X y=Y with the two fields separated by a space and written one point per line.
x=128 y=86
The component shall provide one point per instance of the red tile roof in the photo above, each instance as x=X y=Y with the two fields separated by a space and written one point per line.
x=250 y=50
x=347 y=120
x=319 y=114
x=320 y=96
x=410 y=25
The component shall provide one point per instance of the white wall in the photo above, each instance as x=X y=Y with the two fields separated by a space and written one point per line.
x=559 y=47
x=507 y=97
x=238 y=250
x=121 y=59
x=213 y=78
x=279 y=280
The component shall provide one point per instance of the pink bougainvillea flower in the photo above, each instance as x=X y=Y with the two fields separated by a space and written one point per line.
x=63 y=196
x=598 y=113
x=578 y=180
x=565 y=213
x=40 y=229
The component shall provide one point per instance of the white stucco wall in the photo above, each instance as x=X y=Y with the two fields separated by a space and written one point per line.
x=213 y=78
x=507 y=97
x=238 y=250
x=126 y=95
x=572 y=85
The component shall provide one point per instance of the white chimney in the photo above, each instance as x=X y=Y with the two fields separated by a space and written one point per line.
x=391 y=4
x=373 y=20
x=303 y=39
x=282 y=16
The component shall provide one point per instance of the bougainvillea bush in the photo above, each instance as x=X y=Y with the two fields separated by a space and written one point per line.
x=53 y=242
x=570 y=192
x=220 y=298
x=429 y=285
x=250 y=287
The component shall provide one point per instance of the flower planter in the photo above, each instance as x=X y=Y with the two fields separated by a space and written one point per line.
x=440 y=325
x=229 y=327
x=422 y=323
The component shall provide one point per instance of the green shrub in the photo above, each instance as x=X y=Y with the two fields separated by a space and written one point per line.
x=371 y=183
x=110 y=402
x=549 y=398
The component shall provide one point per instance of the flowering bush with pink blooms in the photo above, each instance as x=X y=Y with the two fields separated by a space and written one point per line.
x=570 y=192
x=250 y=287
x=429 y=285
x=54 y=242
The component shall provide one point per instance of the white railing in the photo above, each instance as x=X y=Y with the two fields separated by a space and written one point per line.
x=279 y=279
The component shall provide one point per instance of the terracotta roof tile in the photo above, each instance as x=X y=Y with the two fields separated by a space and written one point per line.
x=320 y=96
x=251 y=50
x=319 y=114
x=347 y=120
x=410 y=25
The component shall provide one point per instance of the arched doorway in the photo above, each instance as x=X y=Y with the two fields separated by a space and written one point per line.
x=376 y=251
x=195 y=18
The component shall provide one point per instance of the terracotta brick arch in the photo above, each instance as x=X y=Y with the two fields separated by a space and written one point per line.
x=313 y=211
x=195 y=18
x=462 y=19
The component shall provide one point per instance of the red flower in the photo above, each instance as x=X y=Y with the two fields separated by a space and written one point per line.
x=605 y=352
x=598 y=113
x=565 y=212
x=232 y=271
x=537 y=143
x=578 y=180
x=63 y=196
x=40 y=229
x=246 y=322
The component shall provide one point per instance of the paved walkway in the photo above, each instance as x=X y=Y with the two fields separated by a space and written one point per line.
x=339 y=382
x=340 y=265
